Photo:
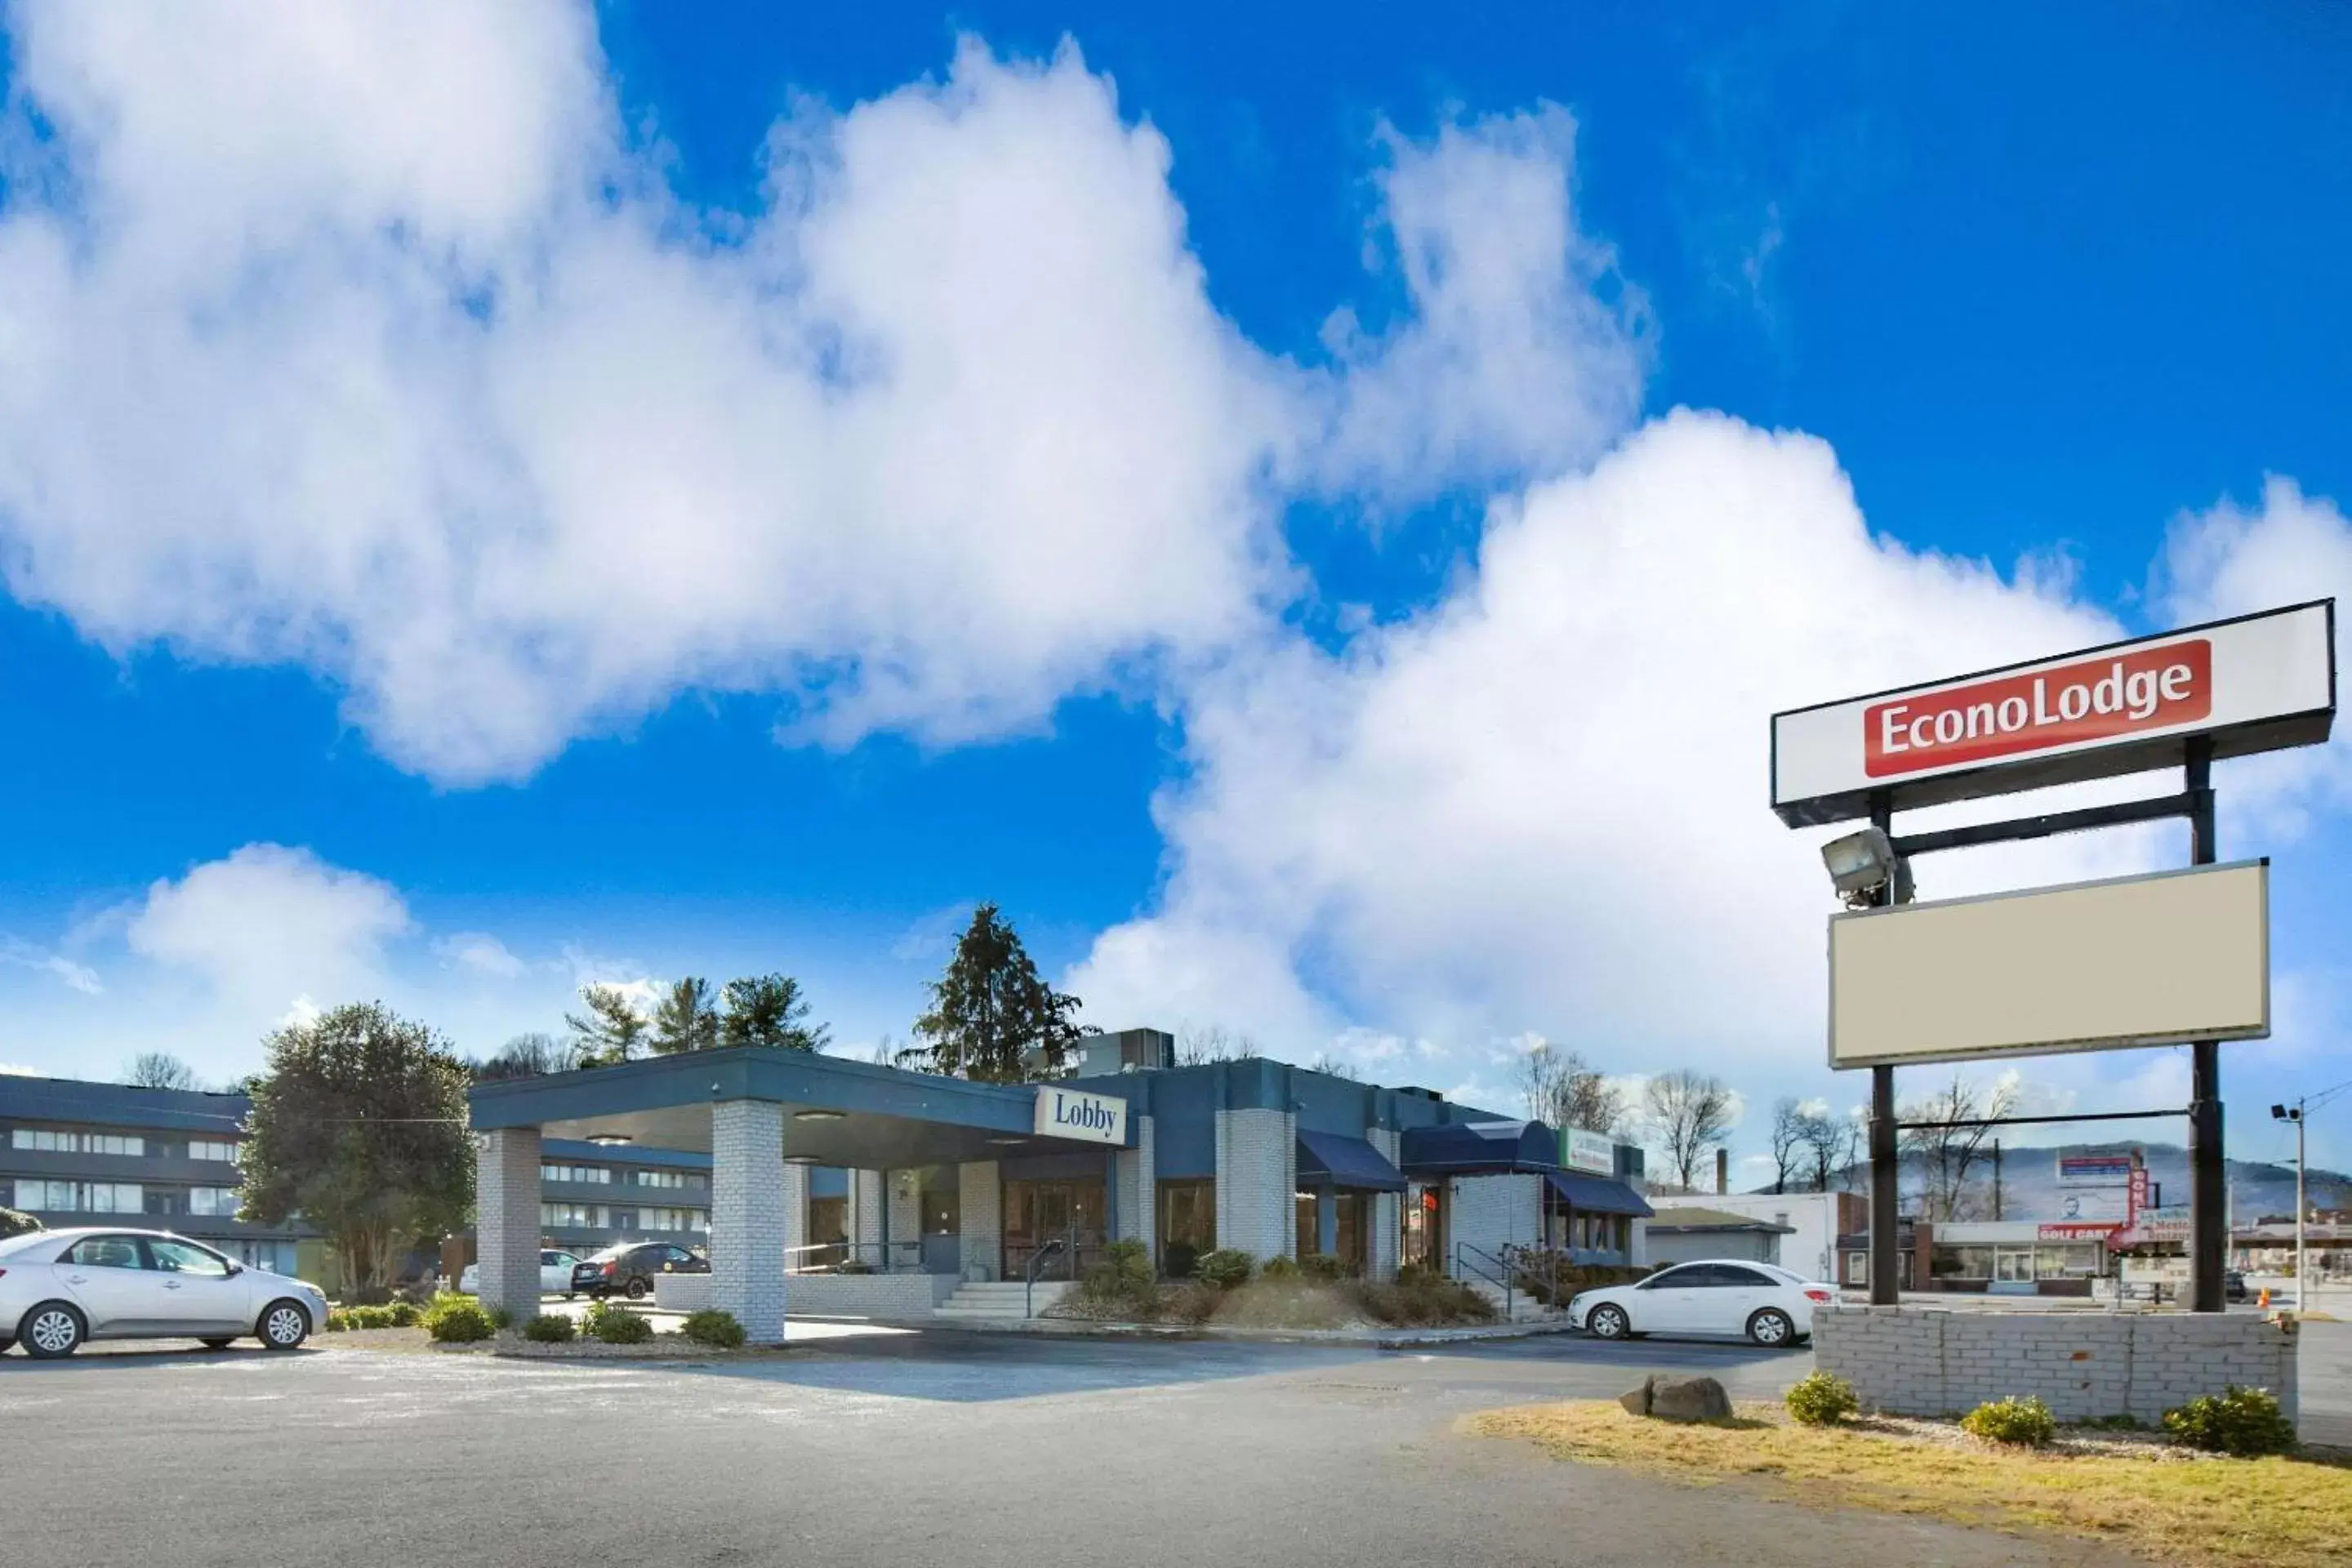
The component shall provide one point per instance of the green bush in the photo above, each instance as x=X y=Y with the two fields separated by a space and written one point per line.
x=1821 y=1399
x=1419 y=1298
x=617 y=1325
x=1192 y=1301
x=16 y=1222
x=2246 y=1422
x=2022 y=1423
x=1224 y=1269
x=551 y=1328
x=462 y=1323
x=500 y=1317
x=339 y=1322
x=1278 y=1267
x=1324 y=1269
x=713 y=1327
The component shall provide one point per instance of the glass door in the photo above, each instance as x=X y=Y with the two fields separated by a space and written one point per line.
x=1038 y=1212
x=1422 y=1244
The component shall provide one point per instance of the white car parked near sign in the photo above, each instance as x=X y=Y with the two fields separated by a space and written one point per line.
x=555 y=1275
x=1761 y=1301
x=61 y=1287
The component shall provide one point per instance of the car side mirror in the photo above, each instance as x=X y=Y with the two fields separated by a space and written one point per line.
x=235 y=1269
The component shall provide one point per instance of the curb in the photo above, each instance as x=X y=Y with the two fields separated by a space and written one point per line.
x=1379 y=1339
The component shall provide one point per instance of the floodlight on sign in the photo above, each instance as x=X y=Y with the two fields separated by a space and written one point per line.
x=1861 y=863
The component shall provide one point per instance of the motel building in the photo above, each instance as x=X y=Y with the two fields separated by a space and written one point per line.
x=838 y=1187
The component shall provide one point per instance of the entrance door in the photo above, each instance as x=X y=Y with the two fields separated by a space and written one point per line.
x=1424 y=1216
x=1068 y=1210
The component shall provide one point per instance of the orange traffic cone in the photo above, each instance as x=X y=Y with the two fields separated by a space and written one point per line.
x=2265 y=1303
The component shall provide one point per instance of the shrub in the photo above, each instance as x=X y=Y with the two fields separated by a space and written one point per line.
x=1279 y=1303
x=1419 y=1298
x=1821 y=1399
x=339 y=1322
x=618 y=1325
x=1192 y=1301
x=551 y=1328
x=402 y=1315
x=1278 y=1267
x=16 y=1222
x=2022 y=1423
x=1324 y=1269
x=2246 y=1422
x=368 y=1295
x=500 y=1317
x=712 y=1326
x=460 y=1324
x=1225 y=1268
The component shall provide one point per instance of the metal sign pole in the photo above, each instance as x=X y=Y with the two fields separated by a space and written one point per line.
x=1885 y=1285
x=2207 y=1196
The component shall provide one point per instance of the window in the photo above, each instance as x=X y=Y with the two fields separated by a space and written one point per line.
x=219 y=1149
x=571 y=1216
x=166 y=1200
x=1187 y=1224
x=664 y=1179
x=81 y=1197
x=673 y=1219
x=1681 y=1278
x=50 y=1141
x=179 y=1257
x=1744 y=1278
x=107 y=1252
x=220 y=1202
x=599 y=1175
x=1857 y=1267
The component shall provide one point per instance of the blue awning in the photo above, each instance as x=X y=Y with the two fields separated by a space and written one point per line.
x=1345 y=1162
x=1599 y=1194
x=1469 y=1147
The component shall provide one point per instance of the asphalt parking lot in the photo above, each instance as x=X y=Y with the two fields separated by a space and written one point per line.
x=932 y=1448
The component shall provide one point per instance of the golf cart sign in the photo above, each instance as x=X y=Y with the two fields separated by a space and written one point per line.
x=2253 y=684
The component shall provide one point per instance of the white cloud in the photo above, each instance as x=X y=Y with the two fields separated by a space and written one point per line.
x=371 y=343
x=75 y=977
x=270 y=927
x=479 y=953
x=1541 y=805
x=14 y=1070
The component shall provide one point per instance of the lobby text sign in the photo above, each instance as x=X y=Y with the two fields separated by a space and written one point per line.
x=1070 y=1113
x=2250 y=684
x=2135 y=960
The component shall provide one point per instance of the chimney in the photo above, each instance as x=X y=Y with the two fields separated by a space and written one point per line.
x=1722 y=1171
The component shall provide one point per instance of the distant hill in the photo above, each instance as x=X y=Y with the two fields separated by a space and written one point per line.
x=2029 y=1180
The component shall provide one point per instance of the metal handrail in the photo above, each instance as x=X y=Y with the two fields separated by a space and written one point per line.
x=1515 y=1259
x=1045 y=1249
x=1495 y=1273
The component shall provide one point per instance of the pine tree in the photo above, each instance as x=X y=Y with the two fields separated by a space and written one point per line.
x=768 y=1010
x=612 y=1030
x=992 y=1017
x=685 y=1019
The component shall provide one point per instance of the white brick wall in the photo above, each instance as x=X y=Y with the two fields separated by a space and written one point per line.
x=1257 y=1173
x=796 y=1211
x=1138 y=1189
x=866 y=1202
x=1490 y=1212
x=747 y=1216
x=1916 y=1361
x=1386 y=1216
x=505 y=1211
x=980 y=1203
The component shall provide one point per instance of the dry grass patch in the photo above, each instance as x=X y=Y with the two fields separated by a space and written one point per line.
x=2168 y=1503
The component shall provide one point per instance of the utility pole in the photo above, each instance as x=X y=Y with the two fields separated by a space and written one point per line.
x=1885 y=1288
x=2207 y=1241
x=1996 y=1180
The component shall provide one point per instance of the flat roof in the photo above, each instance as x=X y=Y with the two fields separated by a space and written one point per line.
x=837 y=1111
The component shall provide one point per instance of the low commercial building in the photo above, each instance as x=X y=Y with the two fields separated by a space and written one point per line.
x=1685 y=1233
x=1814 y=1222
x=951 y=1182
x=2018 y=1257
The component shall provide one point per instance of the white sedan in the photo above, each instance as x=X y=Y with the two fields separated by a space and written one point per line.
x=61 y=1287
x=555 y=1275
x=1767 y=1303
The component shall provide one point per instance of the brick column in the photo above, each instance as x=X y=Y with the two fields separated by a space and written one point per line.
x=1388 y=1219
x=1139 y=1190
x=506 y=1225
x=747 y=1216
x=865 y=1208
x=796 y=1214
x=981 y=1202
x=1258 y=1171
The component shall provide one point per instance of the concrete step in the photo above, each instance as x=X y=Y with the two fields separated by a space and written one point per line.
x=999 y=1300
x=1523 y=1308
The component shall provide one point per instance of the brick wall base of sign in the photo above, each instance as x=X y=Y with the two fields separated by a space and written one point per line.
x=1909 y=1361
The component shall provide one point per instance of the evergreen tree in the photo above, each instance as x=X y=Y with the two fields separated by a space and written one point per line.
x=611 y=1029
x=685 y=1019
x=992 y=1017
x=769 y=1010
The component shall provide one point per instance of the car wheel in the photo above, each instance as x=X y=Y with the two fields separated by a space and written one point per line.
x=51 y=1330
x=215 y=1345
x=284 y=1325
x=1772 y=1328
x=1608 y=1323
x=637 y=1289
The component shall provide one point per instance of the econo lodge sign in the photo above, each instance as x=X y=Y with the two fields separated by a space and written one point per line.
x=2250 y=685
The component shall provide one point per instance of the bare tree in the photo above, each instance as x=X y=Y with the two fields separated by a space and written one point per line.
x=1559 y=1087
x=525 y=1055
x=1335 y=1067
x=1792 y=1134
x=1197 y=1046
x=1831 y=1143
x=159 y=1070
x=1688 y=1113
x=1950 y=1144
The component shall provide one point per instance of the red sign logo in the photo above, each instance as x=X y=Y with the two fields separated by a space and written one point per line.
x=2148 y=689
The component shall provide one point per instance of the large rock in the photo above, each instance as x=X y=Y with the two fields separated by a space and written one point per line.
x=1688 y=1399
x=1636 y=1401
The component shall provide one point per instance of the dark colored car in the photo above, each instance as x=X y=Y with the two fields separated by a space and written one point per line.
x=2233 y=1286
x=629 y=1269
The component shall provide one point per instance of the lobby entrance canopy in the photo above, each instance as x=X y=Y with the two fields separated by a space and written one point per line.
x=751 y=1109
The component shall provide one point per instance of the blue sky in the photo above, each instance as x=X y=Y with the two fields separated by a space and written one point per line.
x=565 y=495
